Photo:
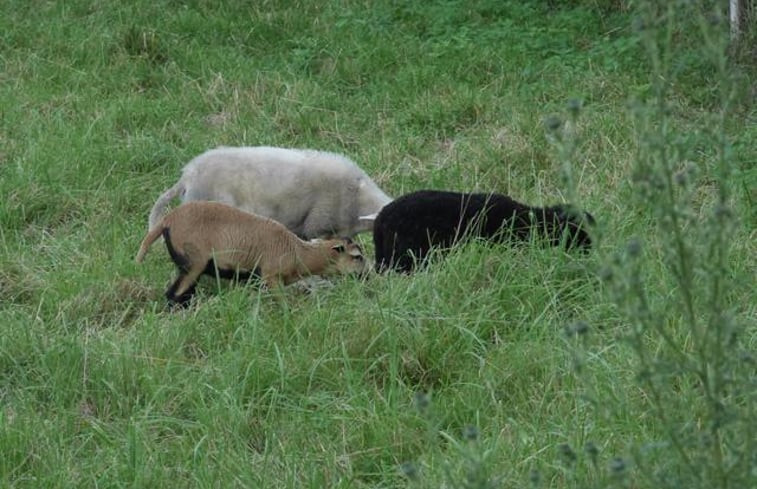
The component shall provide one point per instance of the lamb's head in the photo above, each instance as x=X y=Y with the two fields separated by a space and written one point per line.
x=574 y=224
x=345 y=257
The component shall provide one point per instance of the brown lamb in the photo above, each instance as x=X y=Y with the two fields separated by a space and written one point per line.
x=220 y=240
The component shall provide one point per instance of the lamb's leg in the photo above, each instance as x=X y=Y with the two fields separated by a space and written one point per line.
x=170 y=294
x=183 y=288
x=271 y=280
x=183 y=300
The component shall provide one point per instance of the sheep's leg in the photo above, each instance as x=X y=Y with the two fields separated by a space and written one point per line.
x=272 y=280
x=392 y=253
x=404 y=263
x=381 y=260
x=183 y=288
x=189 y=280
x=183 y=300
x=171 y=293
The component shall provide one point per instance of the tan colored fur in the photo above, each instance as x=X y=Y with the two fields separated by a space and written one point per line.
x=239 y=241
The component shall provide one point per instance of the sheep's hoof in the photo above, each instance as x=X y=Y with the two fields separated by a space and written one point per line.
x=177 y=305
x=181 y=302
x=312 y=284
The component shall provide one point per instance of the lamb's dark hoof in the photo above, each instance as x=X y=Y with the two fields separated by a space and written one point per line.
x=180 y=302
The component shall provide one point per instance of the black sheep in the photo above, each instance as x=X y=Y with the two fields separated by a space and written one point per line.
x=406 y=229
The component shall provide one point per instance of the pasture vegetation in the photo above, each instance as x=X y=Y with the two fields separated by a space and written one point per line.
x=633 y=366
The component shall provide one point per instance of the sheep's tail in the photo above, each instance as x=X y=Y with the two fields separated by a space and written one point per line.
x=160 y=205
x=148 y=240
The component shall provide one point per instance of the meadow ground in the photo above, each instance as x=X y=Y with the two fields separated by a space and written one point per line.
x=631 y=367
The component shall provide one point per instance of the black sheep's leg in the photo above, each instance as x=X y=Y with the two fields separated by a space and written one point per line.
x=407 y=256
x=404 y=263
x=379 y=246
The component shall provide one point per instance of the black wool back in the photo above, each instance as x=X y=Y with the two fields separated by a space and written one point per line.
x=407 y=228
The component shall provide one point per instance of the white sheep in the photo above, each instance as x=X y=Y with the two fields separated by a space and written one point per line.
x=217 y=239
x=312 y=193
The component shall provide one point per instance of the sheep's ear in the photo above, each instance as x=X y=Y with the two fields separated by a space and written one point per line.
x=369 y=218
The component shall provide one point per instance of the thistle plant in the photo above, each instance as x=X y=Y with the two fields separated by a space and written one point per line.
x=467 y=465
x=691 y=351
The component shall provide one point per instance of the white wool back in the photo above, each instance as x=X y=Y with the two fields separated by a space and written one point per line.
x=313 y=193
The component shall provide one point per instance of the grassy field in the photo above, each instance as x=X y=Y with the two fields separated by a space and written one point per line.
x=461 y=375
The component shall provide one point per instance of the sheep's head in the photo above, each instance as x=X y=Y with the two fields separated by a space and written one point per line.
x=346 y=257
x=575 y=224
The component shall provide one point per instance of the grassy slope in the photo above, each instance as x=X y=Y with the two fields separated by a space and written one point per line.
x=102 y=103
